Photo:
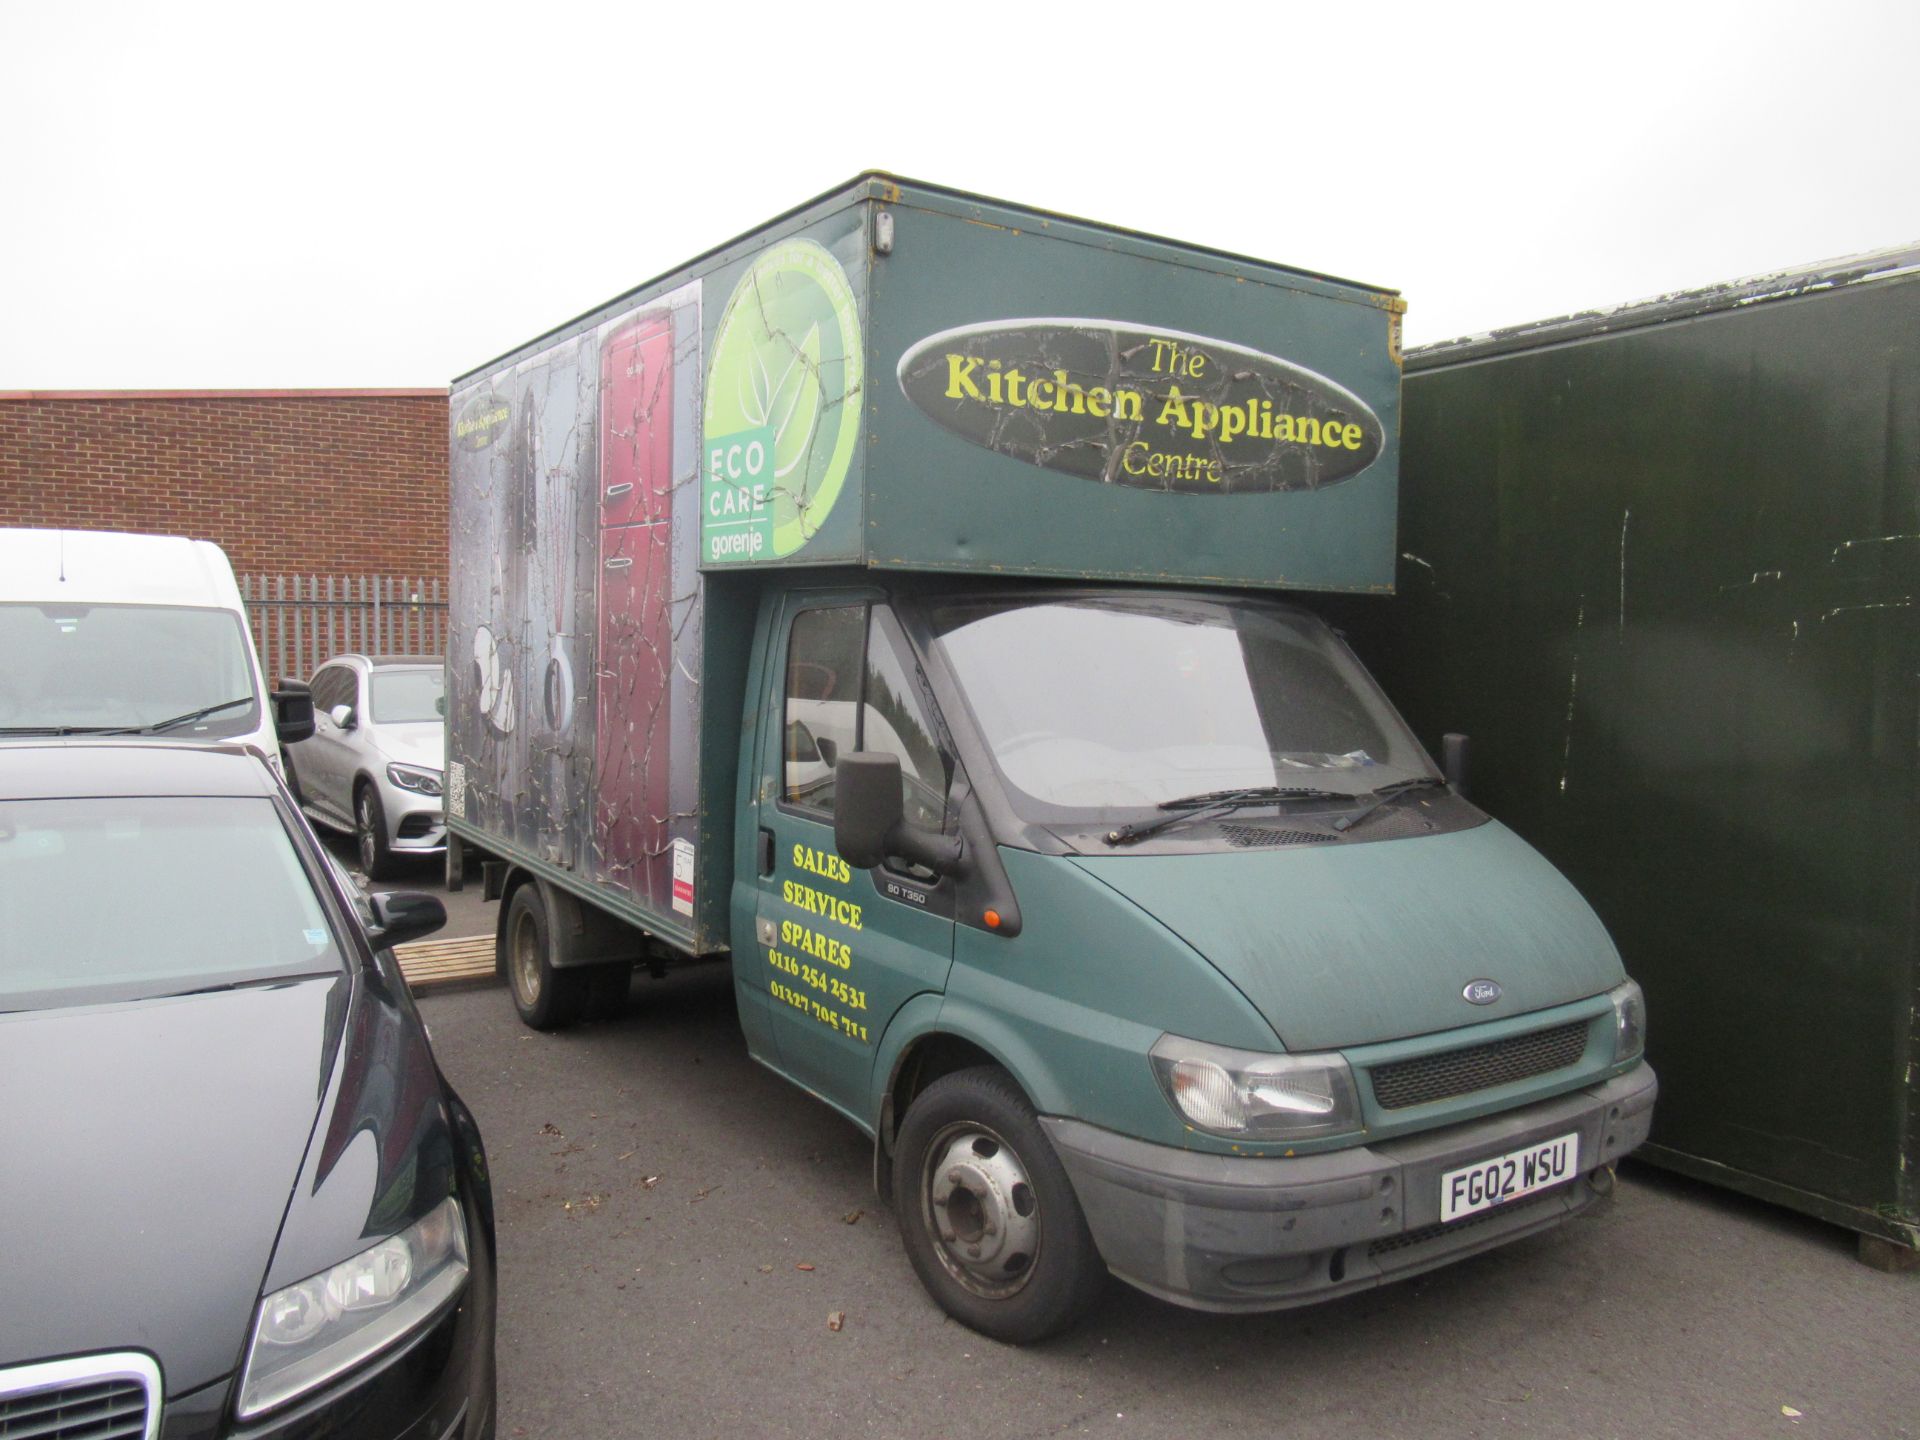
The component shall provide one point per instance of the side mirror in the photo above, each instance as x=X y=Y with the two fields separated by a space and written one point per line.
x=829 y=752
x=342 y=715
x=401 y=916
x=1453 y=762
x=292 y=711
x=869 y=823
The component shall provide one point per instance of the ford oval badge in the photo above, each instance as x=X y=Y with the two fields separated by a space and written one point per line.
x=1481 y=992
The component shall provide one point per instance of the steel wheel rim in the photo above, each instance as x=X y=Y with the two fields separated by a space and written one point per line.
x=363 y=812
x=523 y=959
x=981 y=1211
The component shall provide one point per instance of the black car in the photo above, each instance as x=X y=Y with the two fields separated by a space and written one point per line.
x=237 y=1197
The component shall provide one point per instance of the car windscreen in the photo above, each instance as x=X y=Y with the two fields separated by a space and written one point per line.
x=128 y=898
x=101 y=667
x=401 y=697
x=1093 y=707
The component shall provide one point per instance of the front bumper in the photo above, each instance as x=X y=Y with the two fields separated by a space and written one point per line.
x=1224 y=1232
x=416 y=823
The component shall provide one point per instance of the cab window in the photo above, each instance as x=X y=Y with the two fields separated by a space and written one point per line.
x=848 y=688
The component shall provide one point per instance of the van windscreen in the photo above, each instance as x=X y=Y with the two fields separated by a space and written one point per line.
x=81 y=668
x=1093 y=706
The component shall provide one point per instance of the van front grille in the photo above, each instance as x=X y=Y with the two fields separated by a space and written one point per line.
x=95 y=1399
x=1427 y=1078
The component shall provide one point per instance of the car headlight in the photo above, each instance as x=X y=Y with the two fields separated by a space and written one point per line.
x=312 y=1332
x=416 y=778
x=1255 y=1096
x=1629 y=1022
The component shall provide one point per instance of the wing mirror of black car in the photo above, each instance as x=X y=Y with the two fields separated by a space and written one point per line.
x=292 y=711
x=343 y=716
x=869 y=819
x=400 y=916
x=1453 y=762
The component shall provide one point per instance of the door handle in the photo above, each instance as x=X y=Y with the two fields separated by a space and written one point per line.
x=766 y=851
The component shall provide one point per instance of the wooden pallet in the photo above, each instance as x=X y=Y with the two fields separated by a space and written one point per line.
x=447 y=964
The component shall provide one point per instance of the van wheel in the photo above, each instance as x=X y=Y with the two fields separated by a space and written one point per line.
x=548 y=998
x=370 y=834
x=988 y=1215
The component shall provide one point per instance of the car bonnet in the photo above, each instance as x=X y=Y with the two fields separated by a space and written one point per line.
x=149 y=1152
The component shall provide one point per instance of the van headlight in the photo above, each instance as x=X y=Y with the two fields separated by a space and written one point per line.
x=1629 y=1022
x=317 y=1330
x=416 y=778
x=1249 y=1095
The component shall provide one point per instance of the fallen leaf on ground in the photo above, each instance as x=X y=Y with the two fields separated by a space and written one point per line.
x=852 y=1217
x=649 y=1182
x=551 y=1129
x=836 y=1318
x=803 y=1266
x=1790 y=1412
x=766 y=1269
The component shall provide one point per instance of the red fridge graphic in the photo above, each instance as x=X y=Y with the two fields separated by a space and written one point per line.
x=635 y=589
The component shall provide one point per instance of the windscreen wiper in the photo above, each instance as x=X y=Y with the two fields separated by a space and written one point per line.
x=58 y=730
x=1385 y=793
x=187 y=719
x=1218 y=802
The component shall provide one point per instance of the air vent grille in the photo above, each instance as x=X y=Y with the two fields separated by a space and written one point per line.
x=1248 y=837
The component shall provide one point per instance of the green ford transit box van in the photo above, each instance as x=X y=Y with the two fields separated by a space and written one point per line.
x=910 y=605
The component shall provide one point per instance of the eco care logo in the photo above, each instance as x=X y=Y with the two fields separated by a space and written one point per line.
x=782 y=407
x=1146 y=408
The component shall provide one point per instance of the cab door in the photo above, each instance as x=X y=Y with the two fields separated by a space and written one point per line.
x=840 y=950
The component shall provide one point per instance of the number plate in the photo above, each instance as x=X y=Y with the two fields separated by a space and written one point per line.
x=1488 y=1183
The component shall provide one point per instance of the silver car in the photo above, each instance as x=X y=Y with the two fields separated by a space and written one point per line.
x=373 y=767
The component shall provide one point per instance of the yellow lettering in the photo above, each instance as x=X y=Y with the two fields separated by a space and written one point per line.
x=1126 y=405
x=1174 y=410
x=1306 y=430
x=960 y=384
x=1067 y=391
x=1098 y=399
x=1350 y=436
x=1126 y=458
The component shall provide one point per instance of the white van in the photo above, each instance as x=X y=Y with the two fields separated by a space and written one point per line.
x=106 y=633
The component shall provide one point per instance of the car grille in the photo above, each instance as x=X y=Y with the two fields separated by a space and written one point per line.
x=101 y=1397
x=1426 y=1078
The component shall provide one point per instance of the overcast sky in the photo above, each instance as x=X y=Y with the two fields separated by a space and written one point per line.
x=388 y=195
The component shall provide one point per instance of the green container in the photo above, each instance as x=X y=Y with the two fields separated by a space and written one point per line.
x=1663 y=563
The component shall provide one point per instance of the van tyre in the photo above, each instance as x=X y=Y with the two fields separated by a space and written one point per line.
x=370 y=834
x=548 y=997
x=989 y=1218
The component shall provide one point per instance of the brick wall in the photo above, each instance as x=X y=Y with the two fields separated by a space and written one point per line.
x=307 y=481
